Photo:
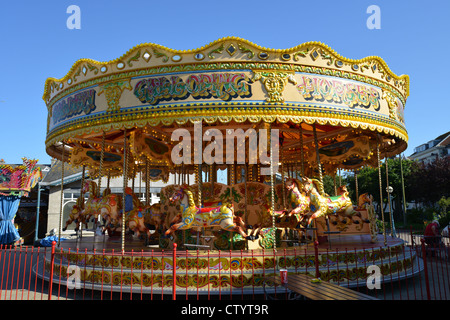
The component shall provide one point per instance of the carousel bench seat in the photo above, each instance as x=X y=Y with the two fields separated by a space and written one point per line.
x=323 y=290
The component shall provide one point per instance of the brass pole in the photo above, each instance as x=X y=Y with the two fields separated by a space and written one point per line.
x=391 y=215
x=272 y=188
x=62 y=194
x=125 y=166
x=381 y=192
x=403 y=190
x=319 y=165
x=302 y=156
x=82 y=197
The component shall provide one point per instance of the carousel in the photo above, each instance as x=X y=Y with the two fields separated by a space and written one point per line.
x=247 y=133
x=16 y=181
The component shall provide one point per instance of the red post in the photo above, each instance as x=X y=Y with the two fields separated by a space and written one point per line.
x=425 y=268
x=174 y=290
x=52 y=264
x=316 y=257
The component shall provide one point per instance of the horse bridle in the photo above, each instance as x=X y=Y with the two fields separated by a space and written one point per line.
x=177 y=195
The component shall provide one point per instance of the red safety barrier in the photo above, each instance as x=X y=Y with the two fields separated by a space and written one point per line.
x=407 y=272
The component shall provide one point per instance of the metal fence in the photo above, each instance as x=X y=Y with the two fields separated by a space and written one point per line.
x=413 y=271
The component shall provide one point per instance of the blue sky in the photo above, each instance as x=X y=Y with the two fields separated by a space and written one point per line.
x=35 y=44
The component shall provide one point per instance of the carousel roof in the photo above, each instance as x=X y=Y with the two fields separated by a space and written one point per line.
x=230 y=83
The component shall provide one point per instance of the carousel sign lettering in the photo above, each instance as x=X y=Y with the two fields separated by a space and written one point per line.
x=72 y=106
x=341 y=92
x=224 y=86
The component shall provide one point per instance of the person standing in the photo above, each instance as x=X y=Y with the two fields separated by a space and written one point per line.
x=432 y=234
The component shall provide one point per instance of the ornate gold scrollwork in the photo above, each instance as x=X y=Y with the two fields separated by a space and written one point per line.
x=392 y=103
x=274 y=82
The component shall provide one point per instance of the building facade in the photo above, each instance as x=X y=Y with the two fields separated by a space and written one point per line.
x=71 y=191
x=430 y=151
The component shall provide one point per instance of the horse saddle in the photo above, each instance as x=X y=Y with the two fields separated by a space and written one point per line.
x=208 y=209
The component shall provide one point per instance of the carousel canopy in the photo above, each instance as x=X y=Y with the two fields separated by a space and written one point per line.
x=231 y=83
x=18 y=180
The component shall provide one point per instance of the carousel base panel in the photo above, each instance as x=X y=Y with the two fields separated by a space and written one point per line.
x=343 y=260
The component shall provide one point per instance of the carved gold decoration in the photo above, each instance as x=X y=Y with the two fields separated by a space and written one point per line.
x=113 y=92
x=392 y=103
x=274 y=83
x=91 y=158
x=154 y=149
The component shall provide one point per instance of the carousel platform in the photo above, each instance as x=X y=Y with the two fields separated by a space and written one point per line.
x=149 y=269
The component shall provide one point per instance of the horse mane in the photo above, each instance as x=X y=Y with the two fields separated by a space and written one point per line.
x=190 y=195
x=93 y=188
x=298 y=182
x=319 y=186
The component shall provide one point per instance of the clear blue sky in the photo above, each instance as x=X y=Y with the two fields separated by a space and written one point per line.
x=36 y=44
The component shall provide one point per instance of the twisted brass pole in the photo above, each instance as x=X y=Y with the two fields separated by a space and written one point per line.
x=62 y=195
x=381 y=192
x=125 y=166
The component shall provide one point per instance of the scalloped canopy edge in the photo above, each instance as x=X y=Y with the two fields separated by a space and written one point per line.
x=211 y=44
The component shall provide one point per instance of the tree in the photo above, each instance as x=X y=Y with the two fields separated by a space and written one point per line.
x=431 y=181
x=369 y=181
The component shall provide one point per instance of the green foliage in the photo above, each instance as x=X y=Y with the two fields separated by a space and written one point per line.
x=420 y=216
x=444 y=213
x=426 y=184
x=430 y=182
x=444 y=205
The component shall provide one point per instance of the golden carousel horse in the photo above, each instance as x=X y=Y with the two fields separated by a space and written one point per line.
x=106 y=206
x=284 y=218
x=135 y=218
x=193 y=217
x=322 y=205
x=154 y=216
x=365 y=200
x=298 y=199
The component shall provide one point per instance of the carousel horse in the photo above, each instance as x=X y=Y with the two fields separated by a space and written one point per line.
x=107 y=206
x=193 y=217
x=135 y=214
x=286 y=219
x=76 y=215
x=299 y=200
x=322 y=205
x=135 y=222
x=153 y=216
x=364 y=200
